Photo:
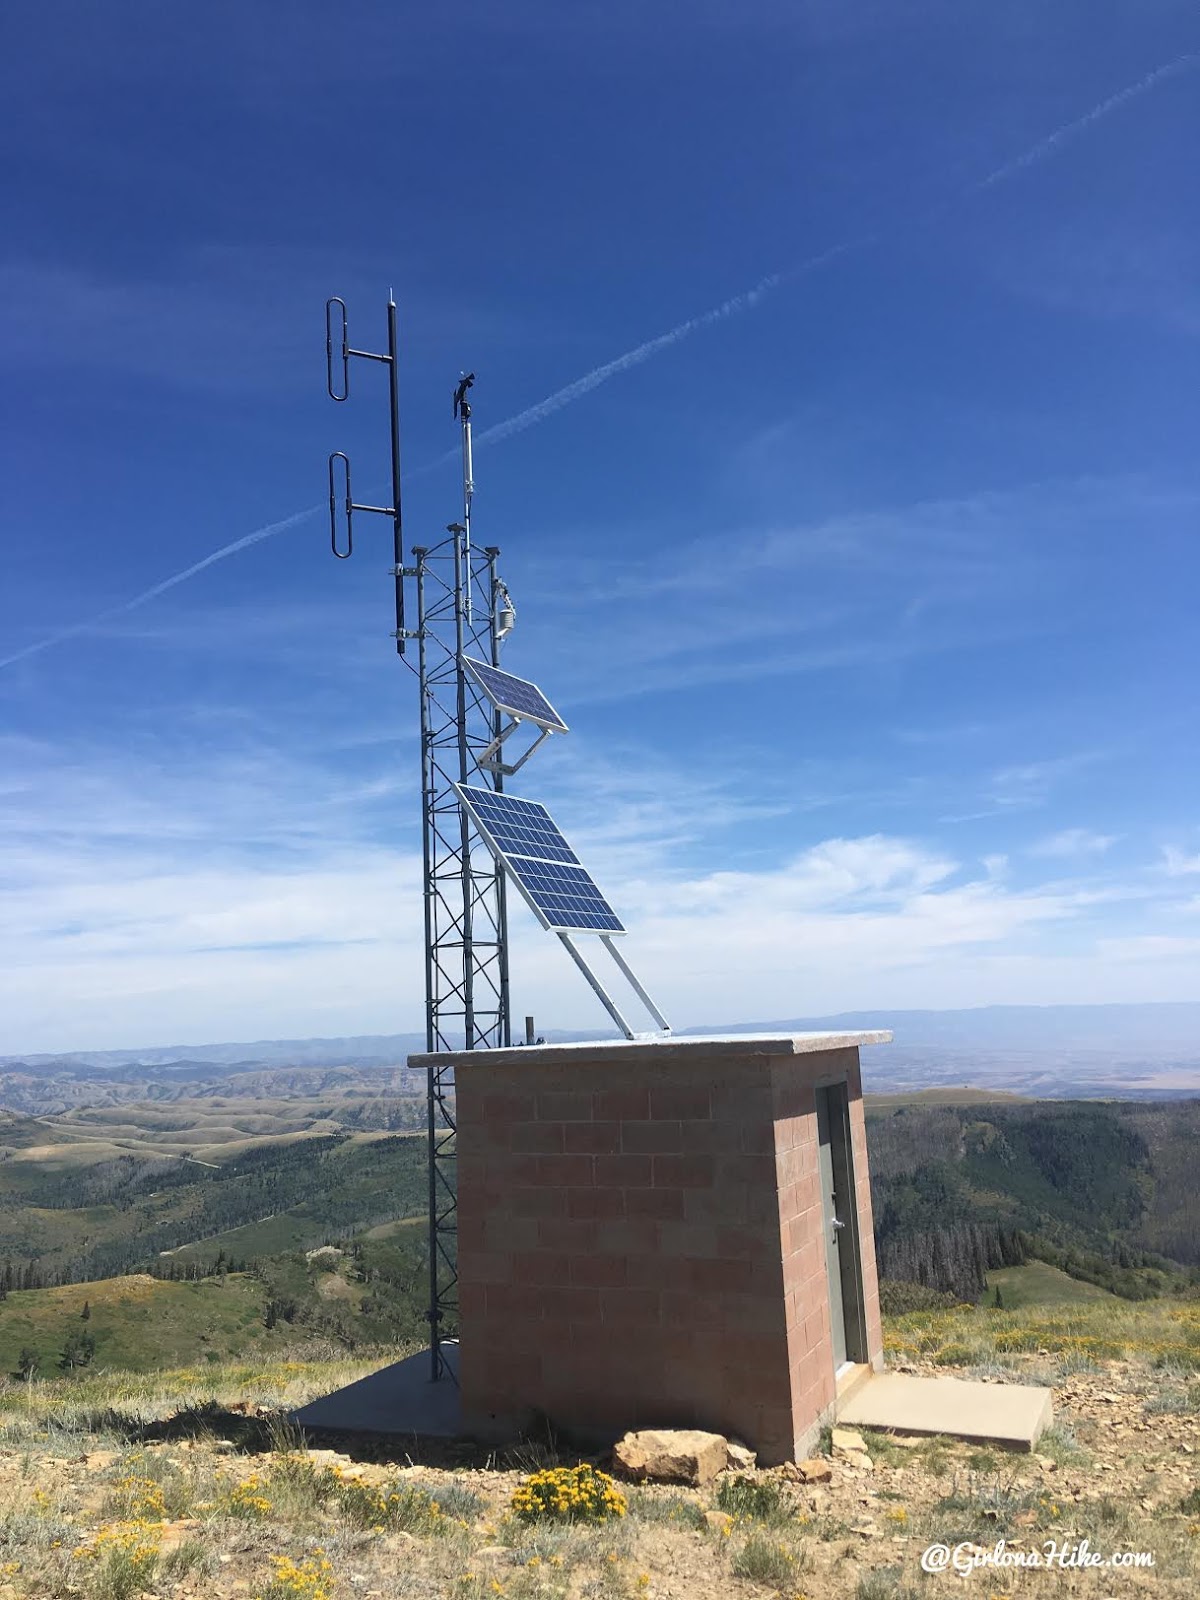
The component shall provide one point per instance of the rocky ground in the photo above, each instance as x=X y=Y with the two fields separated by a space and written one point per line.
x=98 y=1500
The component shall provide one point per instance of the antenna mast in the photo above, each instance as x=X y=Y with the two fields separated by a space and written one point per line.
x=462 y=609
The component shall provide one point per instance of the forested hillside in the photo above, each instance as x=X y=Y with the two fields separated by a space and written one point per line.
x=189 y=1187
x=63 y=1222
x=1102 y=1190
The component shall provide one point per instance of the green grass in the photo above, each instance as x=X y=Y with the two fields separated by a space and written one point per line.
x=139 y=1323
x=1037 y=1284
x=1071 y=1333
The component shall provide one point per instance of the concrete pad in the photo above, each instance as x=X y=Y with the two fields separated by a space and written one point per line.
x=400 y=1399
x=1011 y=1414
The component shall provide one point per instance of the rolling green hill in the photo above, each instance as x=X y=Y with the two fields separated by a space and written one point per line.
x=89 y=1219
x=966 y=1185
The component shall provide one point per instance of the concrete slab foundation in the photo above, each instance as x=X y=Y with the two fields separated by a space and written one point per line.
x=400 y=1399
x=1010 y=1414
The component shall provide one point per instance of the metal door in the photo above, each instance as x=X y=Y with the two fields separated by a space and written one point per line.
x=833 y=1204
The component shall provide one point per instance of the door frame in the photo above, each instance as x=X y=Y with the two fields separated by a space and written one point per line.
x=849 y=1251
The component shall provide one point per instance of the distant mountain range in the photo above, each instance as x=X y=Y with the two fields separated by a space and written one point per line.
x=1143 y=1051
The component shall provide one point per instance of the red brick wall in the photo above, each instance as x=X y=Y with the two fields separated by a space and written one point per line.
x=640 y=1240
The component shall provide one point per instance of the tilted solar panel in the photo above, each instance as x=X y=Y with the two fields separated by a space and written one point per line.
x=517 y=827
x=525 y=840
x=517 y=696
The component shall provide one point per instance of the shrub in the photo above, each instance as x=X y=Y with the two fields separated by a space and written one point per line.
x=135 y=1499
x=310 y=1579
x=672 y=1509
x=754 y=1499
x=192 y=1558
x=368 y=1507
x=458 y=1503
x=954 y=1355
x=897 y=1298
x=885 y=1583
x=568 y=1494
x=123 y=1558
x=765 y=1560
x=248 y=1500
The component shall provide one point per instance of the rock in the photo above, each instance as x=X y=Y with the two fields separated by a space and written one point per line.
x=815 y=1470
x=858 y=1459
x=741 y=1459
x=719 y=1522
x=848 y=1439
x=867 y=1530
x=672 y=1455
x=97 y=1460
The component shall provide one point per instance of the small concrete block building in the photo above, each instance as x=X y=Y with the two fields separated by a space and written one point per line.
x=666 y=1232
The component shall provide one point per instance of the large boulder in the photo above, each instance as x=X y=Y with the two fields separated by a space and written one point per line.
x=672 y=1455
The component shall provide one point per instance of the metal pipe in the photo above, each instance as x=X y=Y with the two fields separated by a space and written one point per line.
x=431 y=1086
x=468 y=494
x=492 y=552
x=397 y=518
x=602 y=993
x=634 y=983
x=464 y=774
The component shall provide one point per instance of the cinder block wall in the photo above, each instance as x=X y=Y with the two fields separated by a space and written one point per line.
x=641 y=1238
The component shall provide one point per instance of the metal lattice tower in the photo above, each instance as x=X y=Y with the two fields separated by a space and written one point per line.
x=469 y=710
x=462 y=609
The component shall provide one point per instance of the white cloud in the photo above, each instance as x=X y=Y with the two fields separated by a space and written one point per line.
x=1073 y=843
x=190 y=895
x=1177 y=863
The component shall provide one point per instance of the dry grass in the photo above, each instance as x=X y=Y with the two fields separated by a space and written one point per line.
x=110 y=1484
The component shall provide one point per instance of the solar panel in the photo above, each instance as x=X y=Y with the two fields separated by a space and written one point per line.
x=517 y=696
x=525 y=840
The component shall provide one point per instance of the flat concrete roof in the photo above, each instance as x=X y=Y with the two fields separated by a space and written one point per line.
x=667 y=1047
x=1011 y=1414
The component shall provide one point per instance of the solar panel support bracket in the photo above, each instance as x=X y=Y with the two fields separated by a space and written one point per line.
x=635 y=983
x=488 y=758
x=602 y=994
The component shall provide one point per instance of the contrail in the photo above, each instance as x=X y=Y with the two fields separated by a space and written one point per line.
x=76 y=628
x=746 y=301
x=734 y=306
x=1047 y=146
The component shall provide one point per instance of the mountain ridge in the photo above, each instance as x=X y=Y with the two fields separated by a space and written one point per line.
x=1168 y=1024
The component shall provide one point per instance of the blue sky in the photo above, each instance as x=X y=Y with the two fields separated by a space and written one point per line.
x=870 y=600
